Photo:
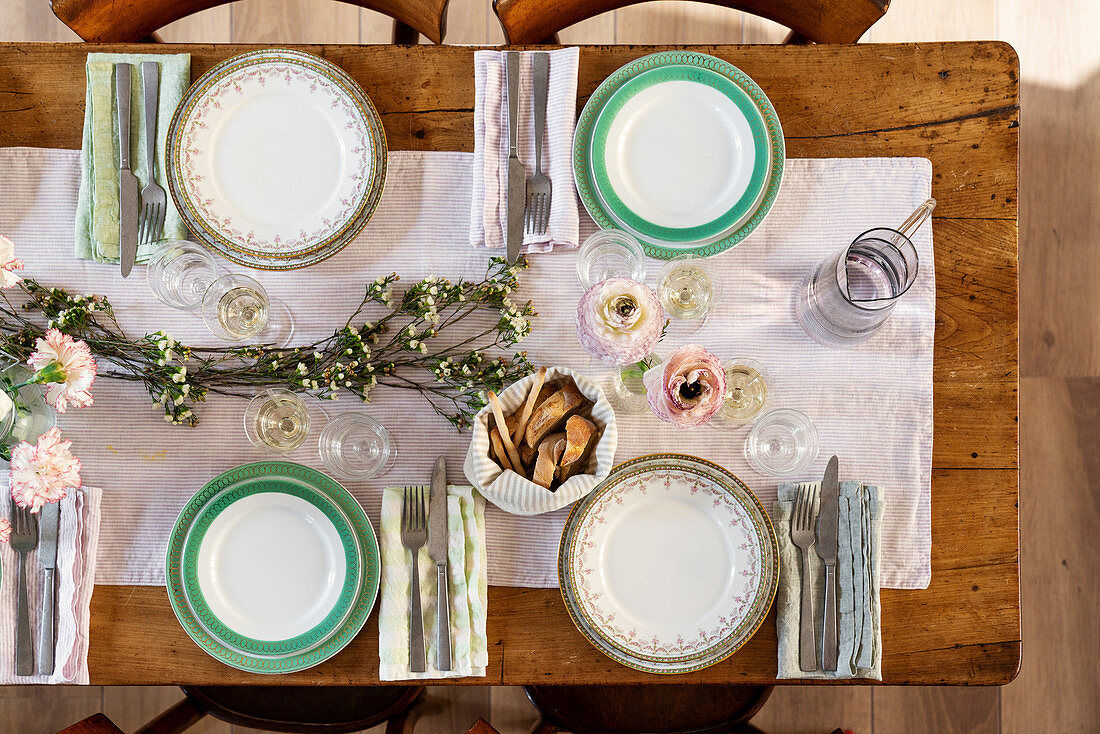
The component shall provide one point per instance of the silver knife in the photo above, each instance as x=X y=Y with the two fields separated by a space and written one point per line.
x=127 y=182
x=517 y=172
x=437 y=549
x=49 y=520
x=828 y=521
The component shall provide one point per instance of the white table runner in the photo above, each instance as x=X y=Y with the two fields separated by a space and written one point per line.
x=872 y=405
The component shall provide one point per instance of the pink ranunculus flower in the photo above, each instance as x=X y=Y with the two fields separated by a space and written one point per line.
x=5 y=530
x=619 y=321
x=688 y=388
x=43 y=473
x=65 y=365
x=9 y=263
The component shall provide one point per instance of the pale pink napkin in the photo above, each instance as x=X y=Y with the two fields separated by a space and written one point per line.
x=78 y=540
x=489 y=208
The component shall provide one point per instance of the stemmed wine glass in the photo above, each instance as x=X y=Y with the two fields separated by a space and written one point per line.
x=234 y=307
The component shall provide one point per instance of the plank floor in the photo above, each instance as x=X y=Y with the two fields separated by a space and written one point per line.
x=1060 y=358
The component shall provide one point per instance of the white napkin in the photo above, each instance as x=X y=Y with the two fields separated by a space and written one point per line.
x=858 y=614
x=467 y=590
x=78 y=540
x=489 y=208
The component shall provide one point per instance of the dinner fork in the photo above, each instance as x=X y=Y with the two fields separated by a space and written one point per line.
x=414 y=534
x=154 y=202
x=24 y=538
x=538 y=186
x=803 y=536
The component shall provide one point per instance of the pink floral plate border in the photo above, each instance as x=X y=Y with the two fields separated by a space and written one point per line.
x=679 y=654
x=369 y=169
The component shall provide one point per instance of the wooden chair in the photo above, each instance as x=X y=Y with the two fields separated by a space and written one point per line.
x=304 y=709
x=127 y=21
x=810 y=21
x=658 y=709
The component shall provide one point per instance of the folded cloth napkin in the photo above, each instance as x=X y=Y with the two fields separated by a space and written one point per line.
x=489 y=208
x=97 y=200
x=858 y=622
x=78 y=540
x=468 y=589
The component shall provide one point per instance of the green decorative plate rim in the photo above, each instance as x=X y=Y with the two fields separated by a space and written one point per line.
x=364 y=601
x=209 y=620
x=700 y=75
x=582 y=172
x=716 y=653
x=338 y=240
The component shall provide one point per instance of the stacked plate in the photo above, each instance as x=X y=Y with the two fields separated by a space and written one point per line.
x=272 y=567
x=276 y=159
x=670 y=565
x=680 y=149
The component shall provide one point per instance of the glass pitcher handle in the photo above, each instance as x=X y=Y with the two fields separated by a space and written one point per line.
x=916 y=219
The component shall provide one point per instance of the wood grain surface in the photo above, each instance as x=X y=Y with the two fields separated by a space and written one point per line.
x=954 y=103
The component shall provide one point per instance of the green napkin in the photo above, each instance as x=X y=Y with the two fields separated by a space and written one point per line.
x=467 y=589
x=858 y=618
x=97 y=200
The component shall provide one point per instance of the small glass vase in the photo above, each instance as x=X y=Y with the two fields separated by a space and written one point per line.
x=625 y=389
x=30 y=416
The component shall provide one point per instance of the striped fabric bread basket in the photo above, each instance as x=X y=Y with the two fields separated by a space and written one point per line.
x=519 y=496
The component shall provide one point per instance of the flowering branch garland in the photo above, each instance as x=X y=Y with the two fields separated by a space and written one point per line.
x=410 y=347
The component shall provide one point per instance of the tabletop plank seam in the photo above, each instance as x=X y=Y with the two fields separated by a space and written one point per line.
x=990 y=113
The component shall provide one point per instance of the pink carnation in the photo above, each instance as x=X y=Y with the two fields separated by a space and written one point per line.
x=43 y=473
x=67 y=369
x=9 y=263
x=688 y=388
x=5 y=530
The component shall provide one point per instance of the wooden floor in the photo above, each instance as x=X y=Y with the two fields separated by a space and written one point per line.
x=1059 y=346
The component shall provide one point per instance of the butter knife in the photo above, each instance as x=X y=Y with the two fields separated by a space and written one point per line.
x=828 y=521
x=49 y=521
x=437 y=549
x=127 y=182
x=517 y=172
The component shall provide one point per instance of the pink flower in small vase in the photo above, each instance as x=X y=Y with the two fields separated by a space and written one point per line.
x=5 y=530
x=619 y=321
x=687 y=389
x=65 y=365
x=43 y=473
x=9 y=263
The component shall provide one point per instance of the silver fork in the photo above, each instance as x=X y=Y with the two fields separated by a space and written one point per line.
x=803 y=536
x=538 y=186
x=24 y=538
x=154 y=202
x=414 y=534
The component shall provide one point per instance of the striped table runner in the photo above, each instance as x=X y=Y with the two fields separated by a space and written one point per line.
x=872 y=405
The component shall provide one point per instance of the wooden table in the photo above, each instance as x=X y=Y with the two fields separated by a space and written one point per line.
x=954 y=103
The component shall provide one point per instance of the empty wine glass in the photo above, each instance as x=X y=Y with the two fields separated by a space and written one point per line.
x=276 y=420
x=179 y=274
x=783 y=442
x=610 y=253
x=355 y=446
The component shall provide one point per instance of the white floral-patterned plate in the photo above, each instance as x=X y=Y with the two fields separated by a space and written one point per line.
x=670 y=565
x=276 y=158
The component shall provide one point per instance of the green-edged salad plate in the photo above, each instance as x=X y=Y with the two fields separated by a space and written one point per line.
x=272 y=567
x=681 y=149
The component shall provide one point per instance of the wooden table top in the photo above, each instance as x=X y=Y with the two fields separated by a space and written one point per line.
x=954 y=103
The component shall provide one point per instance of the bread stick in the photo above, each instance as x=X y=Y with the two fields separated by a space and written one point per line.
x=502 y=426
x=529 y=406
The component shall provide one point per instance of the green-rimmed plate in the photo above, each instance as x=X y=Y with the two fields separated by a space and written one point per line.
x=670 y=565
x=272 y=567
x=276 y=159
x=681 y=149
